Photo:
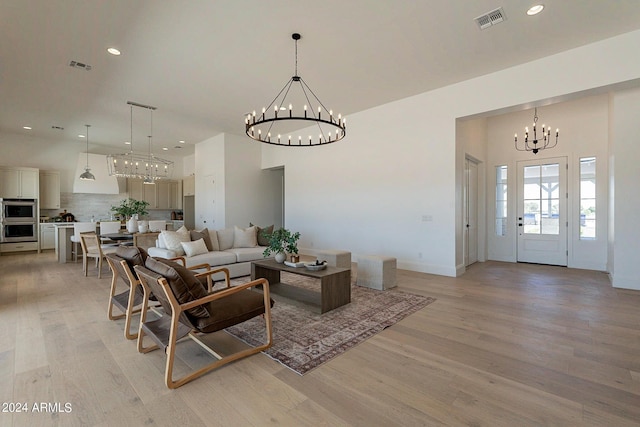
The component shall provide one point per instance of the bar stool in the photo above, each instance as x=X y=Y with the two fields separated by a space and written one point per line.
x=80 y=227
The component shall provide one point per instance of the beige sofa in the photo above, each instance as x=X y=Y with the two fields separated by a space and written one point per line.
x=233 y=248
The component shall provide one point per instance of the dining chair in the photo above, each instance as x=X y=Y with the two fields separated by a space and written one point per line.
x=80 y=227
x=109 y=227
x=91 y=248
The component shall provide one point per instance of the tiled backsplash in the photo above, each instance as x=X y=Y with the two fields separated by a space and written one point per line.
x=95 y=206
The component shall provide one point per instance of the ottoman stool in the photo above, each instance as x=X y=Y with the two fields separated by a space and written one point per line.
x=335 y=258
x=376 y=272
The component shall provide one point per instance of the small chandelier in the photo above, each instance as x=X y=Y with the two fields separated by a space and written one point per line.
x=87 y=175
x=277 y=120
x=146 y=166
x=536 y=144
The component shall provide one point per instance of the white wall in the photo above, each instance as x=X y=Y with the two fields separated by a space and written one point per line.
x=210 y=185
x=231 y=188
x=252 y=194
x=625 y=152
x=399 y=161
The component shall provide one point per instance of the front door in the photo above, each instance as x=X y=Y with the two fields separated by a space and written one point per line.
x=542 y=211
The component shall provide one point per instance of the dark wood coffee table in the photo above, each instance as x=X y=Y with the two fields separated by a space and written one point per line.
x=335 y=284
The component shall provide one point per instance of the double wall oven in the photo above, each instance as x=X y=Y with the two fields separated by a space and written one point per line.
x=19 y=220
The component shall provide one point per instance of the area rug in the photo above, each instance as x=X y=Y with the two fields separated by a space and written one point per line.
x=303 y=340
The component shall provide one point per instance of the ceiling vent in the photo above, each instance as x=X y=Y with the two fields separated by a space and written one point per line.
x=490 y=19
x=76 y=64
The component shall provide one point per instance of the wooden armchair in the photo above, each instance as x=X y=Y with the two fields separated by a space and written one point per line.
x=194 y=311
x=121 y=263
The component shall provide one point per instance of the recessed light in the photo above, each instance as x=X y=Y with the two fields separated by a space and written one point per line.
x=165 y=149
x=127 y=143
x=80 y=136
x=181 y=142
x=113 y=51
x=26 y=127
x=534 y=10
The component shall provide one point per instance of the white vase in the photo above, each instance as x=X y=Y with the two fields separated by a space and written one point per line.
x=280 y=257
x=132 y=225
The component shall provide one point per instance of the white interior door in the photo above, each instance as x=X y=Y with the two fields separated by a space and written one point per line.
x=542 y=211
x=471 y=212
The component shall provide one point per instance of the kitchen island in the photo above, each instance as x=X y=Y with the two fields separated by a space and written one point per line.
x=64 y=231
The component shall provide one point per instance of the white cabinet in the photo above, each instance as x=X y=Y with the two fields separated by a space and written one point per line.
x=47 y=236
x=189 y=186
x=49 y=190
x=140 y=191
x=164 y=194
x=168 y=195
x=19 y=183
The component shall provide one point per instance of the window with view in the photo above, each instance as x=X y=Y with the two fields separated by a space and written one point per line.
x=501 y=200
x=587 y=198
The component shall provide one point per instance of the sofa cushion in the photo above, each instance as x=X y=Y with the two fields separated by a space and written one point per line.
x=247 y=254
x=213 y=235
x=262 y=234
x=204 y=234
x=225 y=238
x=173 y=239
x=244 y=237
x=197 y=247
x=231 y=310
x=183 y=282
x=213 y=258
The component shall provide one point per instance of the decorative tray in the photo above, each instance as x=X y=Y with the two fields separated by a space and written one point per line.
x=315 y=267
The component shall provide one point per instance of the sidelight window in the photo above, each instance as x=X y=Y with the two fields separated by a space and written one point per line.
x=501 y=200
x=587 y=198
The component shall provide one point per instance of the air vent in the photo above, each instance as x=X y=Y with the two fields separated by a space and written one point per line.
x=76 y=64
x=490 y=19
x=57 y=127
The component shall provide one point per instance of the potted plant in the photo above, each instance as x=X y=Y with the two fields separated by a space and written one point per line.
x=130 y=209
x=281 y=242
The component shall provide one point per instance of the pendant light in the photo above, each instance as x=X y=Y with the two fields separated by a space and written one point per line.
x=87 y=175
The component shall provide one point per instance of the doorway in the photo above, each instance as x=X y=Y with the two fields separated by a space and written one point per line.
x=542 y=211
x=470 y=207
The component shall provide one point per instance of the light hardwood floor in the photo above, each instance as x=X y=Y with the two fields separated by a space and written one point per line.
x=503 y=345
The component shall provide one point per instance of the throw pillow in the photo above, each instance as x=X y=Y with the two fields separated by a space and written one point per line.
x=183 y=282
x=204 y=234
x=225 y=238
x=262 y=234
x=213 y=235
x=194 y=248
x=245 y=237
x=173 y=239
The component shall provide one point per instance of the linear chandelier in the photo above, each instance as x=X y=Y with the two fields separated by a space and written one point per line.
x=146 y=166
x=280 y=119
x=536 y=144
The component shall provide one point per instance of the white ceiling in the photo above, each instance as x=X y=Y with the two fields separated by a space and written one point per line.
x=204 y=64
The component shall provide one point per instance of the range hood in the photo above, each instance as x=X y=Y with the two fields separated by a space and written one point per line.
x=103 y=184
